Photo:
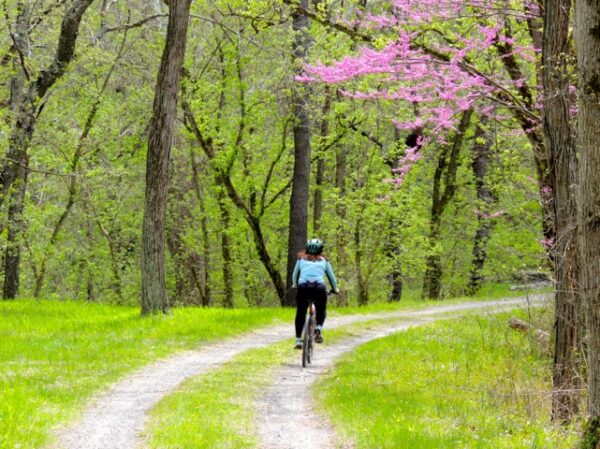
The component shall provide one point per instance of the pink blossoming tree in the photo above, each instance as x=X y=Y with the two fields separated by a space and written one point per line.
x=453 y=56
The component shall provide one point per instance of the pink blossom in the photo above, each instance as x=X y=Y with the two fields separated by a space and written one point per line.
x=547 y=243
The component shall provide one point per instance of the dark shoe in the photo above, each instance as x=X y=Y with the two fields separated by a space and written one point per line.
x=318 y=336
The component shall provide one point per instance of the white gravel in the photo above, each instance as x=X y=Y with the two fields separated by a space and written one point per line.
x=116 y=418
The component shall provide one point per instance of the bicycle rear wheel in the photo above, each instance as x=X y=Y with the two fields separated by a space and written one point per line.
x=308 y=338
x=306 y=342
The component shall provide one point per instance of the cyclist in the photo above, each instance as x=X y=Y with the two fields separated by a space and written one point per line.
x=308 y=277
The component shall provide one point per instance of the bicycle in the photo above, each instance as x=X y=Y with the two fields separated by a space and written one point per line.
x=308 y=332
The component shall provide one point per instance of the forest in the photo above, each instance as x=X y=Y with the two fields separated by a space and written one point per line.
x=176 y=153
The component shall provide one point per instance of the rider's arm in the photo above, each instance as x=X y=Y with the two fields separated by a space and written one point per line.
x=296 y=274
x=330 y=276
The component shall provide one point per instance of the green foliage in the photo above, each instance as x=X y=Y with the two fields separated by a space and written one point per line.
x=55 y=355
x=472 y=383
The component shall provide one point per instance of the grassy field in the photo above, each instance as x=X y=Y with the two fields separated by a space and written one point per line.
x=55 y=355
x=472 y=383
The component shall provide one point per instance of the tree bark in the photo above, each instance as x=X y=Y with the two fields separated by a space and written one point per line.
x=560 y=146
x=341 y=169
x=394 y=246
x=162 y=128
x=446 y=170
x=25 y=99
x=363 y=285
x=587 y=39
x=205 y=285
x=226 y=252
x=301 y=176
x=320 y=178
x=487 y=198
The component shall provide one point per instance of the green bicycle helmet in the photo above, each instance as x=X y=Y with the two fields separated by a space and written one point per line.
x=314 y=246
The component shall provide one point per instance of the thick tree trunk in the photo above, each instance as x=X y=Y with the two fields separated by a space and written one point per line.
x=446 y=170
x=25 y=97
x=14 y=174
x=481 y=161
x=560 y=145
x=16 y=227
x=587 y=39
x=162 y=128
x=301 y=176
x=320 y=178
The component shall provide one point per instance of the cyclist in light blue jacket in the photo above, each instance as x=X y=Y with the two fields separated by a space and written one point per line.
x=309 y=277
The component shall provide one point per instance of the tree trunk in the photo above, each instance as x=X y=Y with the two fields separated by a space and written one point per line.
x=587 y=39
x=14 y=174
x=162 y=128
x=16 y=227
x=560 y=145
x=188 y=289
x=446 y=170
x=320 y=178
x=226 y=252
x=394 y=246
x=25 y=99
x=481 y=161
x=341 y=168
x=363 y=287
x=301 y=176
x=204 y=286
x=318 y=198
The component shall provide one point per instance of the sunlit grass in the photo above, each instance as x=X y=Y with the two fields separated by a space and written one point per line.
x=55 y=355
x=470 y=383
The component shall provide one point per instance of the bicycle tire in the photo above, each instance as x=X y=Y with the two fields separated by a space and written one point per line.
x=306 y=342
x=311 y=332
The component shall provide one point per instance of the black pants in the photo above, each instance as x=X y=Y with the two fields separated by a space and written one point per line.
x=318 y=293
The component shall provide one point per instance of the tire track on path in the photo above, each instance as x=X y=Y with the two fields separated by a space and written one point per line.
x=116 y=418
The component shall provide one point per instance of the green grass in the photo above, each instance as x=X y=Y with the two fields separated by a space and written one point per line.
x=216 y=410
x=55 y=355
x=472 y=383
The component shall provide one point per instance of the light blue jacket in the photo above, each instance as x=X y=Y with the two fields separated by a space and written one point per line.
x=309 y=271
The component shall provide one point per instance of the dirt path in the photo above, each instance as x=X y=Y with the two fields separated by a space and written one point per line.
x=286 y=413
x=116 y=418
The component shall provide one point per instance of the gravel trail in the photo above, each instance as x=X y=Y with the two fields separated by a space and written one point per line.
x=286 y=415
x=116 y=418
